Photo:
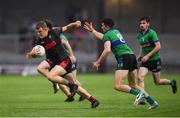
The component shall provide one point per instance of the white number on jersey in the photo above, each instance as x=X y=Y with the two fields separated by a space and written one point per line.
x=121 y=38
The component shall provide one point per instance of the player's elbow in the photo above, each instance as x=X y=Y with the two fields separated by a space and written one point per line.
x=107 y=50
x=158 y=47
x=107 y=46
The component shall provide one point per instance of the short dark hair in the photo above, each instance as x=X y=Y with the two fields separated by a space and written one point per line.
x=49 y=23
x=108 y=21
x=146 y=18
x=41 y=24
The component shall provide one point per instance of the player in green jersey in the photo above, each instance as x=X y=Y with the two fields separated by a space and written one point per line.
x=126 y=60
x=150 y=55
x=64 y=88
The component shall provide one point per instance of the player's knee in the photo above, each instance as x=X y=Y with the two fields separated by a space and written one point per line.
x=50 y=77
x=117 y=87
x=39 y=69
x=141 y=78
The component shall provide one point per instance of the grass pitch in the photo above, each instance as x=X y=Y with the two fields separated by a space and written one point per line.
x=33 y=96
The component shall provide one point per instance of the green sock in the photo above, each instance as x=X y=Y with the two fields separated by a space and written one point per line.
x=150 y=100
x=134 y=91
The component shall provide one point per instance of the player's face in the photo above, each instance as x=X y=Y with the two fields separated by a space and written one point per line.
x=103 y=27
x=143 y=25
x=42 y=32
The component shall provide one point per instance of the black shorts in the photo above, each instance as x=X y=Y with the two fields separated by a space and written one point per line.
x=154 y=66
x=64 y=63
x=127 y=62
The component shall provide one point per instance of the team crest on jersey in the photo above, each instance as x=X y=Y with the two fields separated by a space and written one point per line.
x=142 y=39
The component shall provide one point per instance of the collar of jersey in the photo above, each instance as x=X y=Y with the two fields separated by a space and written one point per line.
x=145 y=32
x=109 y=30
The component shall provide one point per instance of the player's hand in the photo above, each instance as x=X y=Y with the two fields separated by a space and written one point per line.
x=78 y=23
x=33 y=53
x=71 y=26
x=73 y=59
x=95 y=65
x=28 y=56
x=139 y=59
x=145 y=58
x=88 y=26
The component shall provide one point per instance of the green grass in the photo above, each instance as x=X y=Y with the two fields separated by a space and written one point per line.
x=33 y=96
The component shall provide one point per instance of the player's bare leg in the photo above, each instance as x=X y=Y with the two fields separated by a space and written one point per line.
x=82 y=92
x=81 y=98
x=120 y=75
x=55 y=76
x=132 y=82
x=43 y=68
x=119 y=81
x=74 y=72
x=159 y=81
x=66 y=91
x=56 y=87
x=132 y=75
x=142 y=72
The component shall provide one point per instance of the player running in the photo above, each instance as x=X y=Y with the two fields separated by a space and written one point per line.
x=126 y=60
x=70 y=53
x=57 y=65
x=150 y=55
x=65 y=42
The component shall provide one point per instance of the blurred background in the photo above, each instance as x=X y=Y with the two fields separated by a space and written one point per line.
x=18 y=18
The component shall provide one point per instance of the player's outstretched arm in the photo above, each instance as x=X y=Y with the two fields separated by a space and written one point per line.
x=89 y=27
x=103 y=56
x=71 y=26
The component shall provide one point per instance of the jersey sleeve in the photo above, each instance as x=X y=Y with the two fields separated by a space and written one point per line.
x=57 y=32
x=154 y=36
x=105 y=38
x=63 y=37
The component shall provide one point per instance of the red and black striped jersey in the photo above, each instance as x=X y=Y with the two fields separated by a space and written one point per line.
x=55 y=50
